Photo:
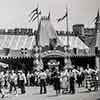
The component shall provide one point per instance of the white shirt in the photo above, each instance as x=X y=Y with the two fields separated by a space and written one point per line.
x=22 y=77
x=42 y=75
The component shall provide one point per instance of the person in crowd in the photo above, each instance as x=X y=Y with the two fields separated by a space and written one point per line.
x=2 y=84
x=75 y=71
x=22 y=81
x=82 y=76
x=32 y=79
x=36 y=74
x=88 y=77
x=56 y=80
x=94 y=82
x=13 y=81
x=64 y=80
x=96 y=78
x=6 y=79
x=72 y=81
x=18 y=82
x=48 y=76
x=42 y=77
x=79 y=77
x=28 y=79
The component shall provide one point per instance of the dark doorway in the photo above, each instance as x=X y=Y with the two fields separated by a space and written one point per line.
x=83 y=61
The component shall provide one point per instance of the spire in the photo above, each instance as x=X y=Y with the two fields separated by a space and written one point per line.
x=98 y=30
x=49 y=15
x=98 y=17
x=97 y=23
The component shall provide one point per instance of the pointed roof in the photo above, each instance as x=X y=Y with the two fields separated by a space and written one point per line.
x=47 y=32
x=90 y=41
x=49 y=15
x=98 y=17
x=74 y=42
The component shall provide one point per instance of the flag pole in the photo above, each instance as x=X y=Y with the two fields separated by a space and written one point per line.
x=38 y=39
x=67 y=33
x=35 y=15
x=37 y=35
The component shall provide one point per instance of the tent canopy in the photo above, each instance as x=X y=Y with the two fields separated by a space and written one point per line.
x=16 y=42
x=74 y=42
x=48 y=32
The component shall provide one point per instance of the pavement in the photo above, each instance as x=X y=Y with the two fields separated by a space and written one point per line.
x=32 y=93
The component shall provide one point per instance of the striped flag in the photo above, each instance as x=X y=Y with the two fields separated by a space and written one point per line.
x=62 y=18
x=34 y=11
x=35 y=17
x=34 y=14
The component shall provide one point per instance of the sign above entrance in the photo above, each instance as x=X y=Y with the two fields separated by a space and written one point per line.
x=53 y=53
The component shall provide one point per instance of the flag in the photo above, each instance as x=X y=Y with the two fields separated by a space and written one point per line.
x=35 y=10
x=62 y=18
x=35 y=17
x=34 y=14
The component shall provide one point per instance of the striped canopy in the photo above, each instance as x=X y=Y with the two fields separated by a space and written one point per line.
x=16 y=42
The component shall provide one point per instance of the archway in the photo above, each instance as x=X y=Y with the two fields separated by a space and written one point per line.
x=56 y=55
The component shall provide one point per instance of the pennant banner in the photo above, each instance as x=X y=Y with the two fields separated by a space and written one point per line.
x=62 y=18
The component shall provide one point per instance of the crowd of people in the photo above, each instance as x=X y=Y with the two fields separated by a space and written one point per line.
x=12 y=80
x=63 y=81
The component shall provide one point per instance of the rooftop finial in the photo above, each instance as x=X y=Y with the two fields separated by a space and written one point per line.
x=49 y=15
x=97 y=17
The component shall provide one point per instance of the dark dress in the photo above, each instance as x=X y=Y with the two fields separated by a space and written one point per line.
x=56 y=80
x=72 y=84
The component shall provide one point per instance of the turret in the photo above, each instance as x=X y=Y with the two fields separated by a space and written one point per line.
x=78 y=29
x=97 y=23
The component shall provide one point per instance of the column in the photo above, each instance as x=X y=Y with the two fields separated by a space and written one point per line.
x=97 y=62
x=67 y=58
x=36 y=61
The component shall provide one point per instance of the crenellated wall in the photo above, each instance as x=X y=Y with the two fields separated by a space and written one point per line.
x=17 y=31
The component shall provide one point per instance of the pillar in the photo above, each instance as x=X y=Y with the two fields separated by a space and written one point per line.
x=97 y=62
x=67 y=60
x=38 y=60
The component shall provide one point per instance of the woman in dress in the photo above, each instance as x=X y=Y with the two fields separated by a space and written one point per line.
x=64 y=80
x=72 y=81
x=88 y=77
x=56 y=80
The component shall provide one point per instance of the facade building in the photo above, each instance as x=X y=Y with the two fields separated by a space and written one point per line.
x=24 y=49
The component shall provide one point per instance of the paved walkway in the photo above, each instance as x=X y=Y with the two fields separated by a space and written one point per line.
x=32 y=93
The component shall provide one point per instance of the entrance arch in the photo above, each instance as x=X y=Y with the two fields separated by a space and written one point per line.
x=53 y=55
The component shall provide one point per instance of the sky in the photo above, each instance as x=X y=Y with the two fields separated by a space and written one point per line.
x=15 y=13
